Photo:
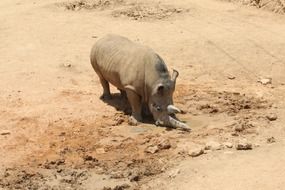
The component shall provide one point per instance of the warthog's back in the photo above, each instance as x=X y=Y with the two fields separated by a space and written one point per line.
x=123 y=62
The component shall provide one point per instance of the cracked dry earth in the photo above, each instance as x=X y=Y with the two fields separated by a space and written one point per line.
x=56 y=133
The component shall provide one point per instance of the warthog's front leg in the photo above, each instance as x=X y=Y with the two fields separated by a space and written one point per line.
x=136 y=105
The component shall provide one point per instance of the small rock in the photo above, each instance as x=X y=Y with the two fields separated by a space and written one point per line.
x=164 y=144
x=174 y=173
x=272 y=117
x=239 y=128
x=122 y=187
x=134 y=176
x=265 y=81
x=59 y=170
x=213 y=146
x=89 y=158
x=116 y=175
x=196 y=152
x=62 y=134
x=60 y=162
x=271 y=140
x=179 y=10
x=228 y=144
x=100 y=151
x=67 y=64
x=231 y=77
x=244 y=146
x=235 y=134
x=151 y=149
x=5 y=132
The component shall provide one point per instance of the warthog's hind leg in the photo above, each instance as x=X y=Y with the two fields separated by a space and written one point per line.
x=106 y=89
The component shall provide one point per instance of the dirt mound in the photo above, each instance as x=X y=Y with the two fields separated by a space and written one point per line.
x=277 y=6
x=13 y=178
x=248 y=112
x=214 y=102
x=72 y=149
x=148 y=11
x=90 y=4
x=136 y=11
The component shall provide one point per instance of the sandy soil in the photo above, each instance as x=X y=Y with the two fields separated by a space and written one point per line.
x=56 y=133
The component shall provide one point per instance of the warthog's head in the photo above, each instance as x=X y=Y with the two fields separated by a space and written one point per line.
x=161 y=103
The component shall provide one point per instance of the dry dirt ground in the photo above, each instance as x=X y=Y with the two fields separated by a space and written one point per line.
x=55 y=132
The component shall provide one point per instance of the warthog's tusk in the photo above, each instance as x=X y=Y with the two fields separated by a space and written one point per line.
x=173 y=109
x=178 y=124
x=171 y=122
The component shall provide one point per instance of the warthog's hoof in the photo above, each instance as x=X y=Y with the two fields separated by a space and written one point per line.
x=106 y=97
x=133 y=121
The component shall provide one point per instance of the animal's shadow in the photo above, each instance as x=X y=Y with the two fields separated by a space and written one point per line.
x=121 y=103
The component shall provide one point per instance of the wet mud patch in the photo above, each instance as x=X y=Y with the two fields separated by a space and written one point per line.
x=246 y=112
x=208 y=101
x=106 y=146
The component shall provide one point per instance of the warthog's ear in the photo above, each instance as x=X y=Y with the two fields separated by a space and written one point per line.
x=175 y=74
x=159 y=89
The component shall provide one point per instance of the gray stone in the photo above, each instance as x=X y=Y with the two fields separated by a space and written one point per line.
x=212 y=145
x=151 y=149
x=272 y=117
x=228 y=144
x=244 y=146
x=196 y=152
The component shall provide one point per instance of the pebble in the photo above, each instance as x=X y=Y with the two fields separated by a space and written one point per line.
x=122 y=187
x=179 y=10
x=135 y=176
x=89 y=158
x=272 y=117
x=271 y=140
x=212 y=145
x=239 y=128
x=174 y=173
x=100 y=151
x=244 y=146
x=265 y=81
x=196 y=152
x=228 y=144
x=67 y=64
x=164 y=144
x=151 y=149
x=5 y=132
x=231 y=77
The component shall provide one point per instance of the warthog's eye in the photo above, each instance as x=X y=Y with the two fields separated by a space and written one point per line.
x=156 y=107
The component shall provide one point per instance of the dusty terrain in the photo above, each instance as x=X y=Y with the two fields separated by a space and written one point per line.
x=55 y=132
